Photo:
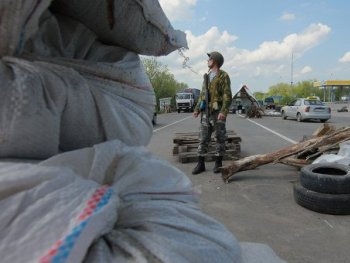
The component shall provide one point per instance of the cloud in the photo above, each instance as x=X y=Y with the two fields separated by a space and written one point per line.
x=271 y=59
x=345 y=58
x=279 y=50
x=287 y=17
x=199 y=46
x=306 y=69
x=177 y=10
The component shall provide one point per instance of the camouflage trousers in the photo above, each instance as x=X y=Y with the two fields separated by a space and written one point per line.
x=216 y=126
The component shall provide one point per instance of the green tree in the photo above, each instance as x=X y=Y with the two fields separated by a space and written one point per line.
x=163 y=82
x=259 y=95
x=298 y=90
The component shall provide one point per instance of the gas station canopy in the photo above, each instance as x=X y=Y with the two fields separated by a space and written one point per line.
x=331 y=83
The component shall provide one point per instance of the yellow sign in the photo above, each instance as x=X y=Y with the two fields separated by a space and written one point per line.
x=332 y=83
x=317 y=84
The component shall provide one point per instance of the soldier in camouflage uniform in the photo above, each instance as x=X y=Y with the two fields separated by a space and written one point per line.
x=219 y=100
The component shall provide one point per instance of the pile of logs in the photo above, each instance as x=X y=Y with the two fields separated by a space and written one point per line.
x=254 y=112
x=325 y=139
x=186 y=145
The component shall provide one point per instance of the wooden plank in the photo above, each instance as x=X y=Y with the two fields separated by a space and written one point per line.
x=186 y=145
x=190 y=140
x=194 y=136
x=187 y=157
x=193 y=148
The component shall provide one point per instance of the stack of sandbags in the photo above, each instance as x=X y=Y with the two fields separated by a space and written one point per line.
x=140 y=26
x=71 y=74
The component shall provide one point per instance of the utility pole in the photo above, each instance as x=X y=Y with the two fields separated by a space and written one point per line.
x=291 y=72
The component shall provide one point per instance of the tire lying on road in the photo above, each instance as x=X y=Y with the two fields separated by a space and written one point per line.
x=336 y=204
x=328 y=178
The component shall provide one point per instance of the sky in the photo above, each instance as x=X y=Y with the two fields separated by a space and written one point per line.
x=264 y=42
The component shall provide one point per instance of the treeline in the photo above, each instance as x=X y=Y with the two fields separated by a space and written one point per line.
x=165 y=85
x=302 y=90
x=163 y=81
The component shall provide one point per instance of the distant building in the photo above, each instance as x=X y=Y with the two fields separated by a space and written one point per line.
x=329 y=85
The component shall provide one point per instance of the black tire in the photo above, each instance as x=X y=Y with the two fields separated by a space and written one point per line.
x=328 y=178
x=154 y=120
x=299 y=119
x=320 y=202
x=284 y=117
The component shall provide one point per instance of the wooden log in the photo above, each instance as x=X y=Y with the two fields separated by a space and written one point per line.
x=292 y=161
x=251 y=162
x=323 y=130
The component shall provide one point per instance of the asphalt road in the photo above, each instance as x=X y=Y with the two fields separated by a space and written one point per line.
x=258 y=205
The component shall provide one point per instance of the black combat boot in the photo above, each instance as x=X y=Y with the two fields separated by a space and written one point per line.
x=200 y=166
x=218 y=164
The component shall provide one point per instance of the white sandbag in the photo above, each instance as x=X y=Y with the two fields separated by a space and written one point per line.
x=140 y=26
x=63 y=95
x=258 y=253
x=67 y=90
x=43 y=113
x=344 y=149
x=19 y=21
x=70 y=206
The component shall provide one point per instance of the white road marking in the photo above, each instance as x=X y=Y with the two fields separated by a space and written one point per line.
x=258 y=124
x=274 y=132
x=166 y=126
x=328 y=223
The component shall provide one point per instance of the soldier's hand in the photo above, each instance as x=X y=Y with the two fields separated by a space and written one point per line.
x=195 y=114
x=221 y=117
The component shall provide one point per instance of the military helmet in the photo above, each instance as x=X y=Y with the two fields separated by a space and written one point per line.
x=217 y=57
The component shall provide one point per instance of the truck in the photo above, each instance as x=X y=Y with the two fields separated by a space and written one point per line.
x=269 y=103
x=195 y=92
x=187 y=99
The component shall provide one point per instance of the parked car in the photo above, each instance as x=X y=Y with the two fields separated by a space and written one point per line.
x=306 y=109
x=343 y=109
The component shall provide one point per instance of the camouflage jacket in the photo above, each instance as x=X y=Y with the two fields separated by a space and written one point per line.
x=219 y=92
